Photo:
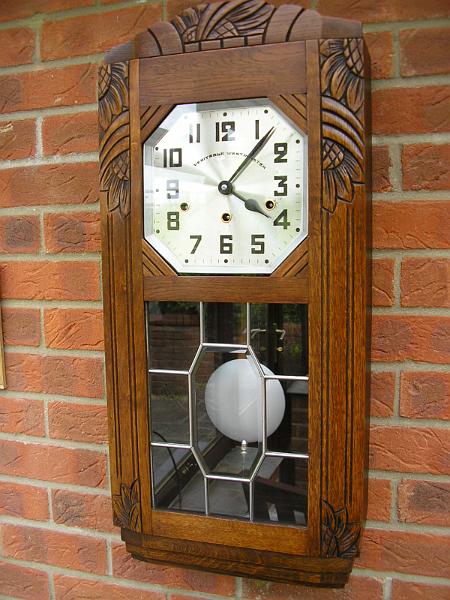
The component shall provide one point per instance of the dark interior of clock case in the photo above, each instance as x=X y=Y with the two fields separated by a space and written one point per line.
x=228 y=394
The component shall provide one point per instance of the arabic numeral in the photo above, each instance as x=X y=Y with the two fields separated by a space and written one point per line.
x=282 y=219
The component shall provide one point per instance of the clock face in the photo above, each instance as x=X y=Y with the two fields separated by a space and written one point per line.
x=225 y=187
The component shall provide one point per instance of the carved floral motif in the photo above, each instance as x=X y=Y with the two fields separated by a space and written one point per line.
x=126 y=507
x=114 y=136
x=342 y=129
x=222 y=20
x=339 y=537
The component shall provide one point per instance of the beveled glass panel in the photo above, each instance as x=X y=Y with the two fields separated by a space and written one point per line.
x=225 y=323
x=292 y=434
x=229 y=498
x=169 y=408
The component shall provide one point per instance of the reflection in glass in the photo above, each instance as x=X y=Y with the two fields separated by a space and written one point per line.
x=169 y=407
x=225 y=323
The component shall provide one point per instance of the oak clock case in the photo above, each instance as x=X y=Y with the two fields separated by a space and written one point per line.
x=233 y=228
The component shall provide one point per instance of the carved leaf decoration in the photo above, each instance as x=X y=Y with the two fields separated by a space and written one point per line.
x=112 y=93
x=126 y=507
x=222 y=20
x=339 y=537
x=342 y=130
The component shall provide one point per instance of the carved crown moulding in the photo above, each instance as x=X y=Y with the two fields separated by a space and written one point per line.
x=232 y=24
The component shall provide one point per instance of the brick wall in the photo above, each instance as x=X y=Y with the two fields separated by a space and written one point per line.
x=57 y=540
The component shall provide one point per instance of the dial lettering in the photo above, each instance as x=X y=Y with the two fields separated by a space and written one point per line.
x=175 y=157
x=226 y=246
x=280 y=151
x=282 y=185
x=198 y=239
x=173 y=189
x=225 y=131
x=173 y=221
x=258 y=245
x=282 y=219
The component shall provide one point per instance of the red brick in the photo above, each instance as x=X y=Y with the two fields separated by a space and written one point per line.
x=127 y=567
x=381 y=51
x=409 y=590
x=95 y=33
x=23 y=582
x=424 y=502
x=410 y=450
x=382 y=390
x=426 y=167
x=425 y=395
x=78 y=232
x=19 y=234
x=21 y=326
x=53 y=463
x=79 y=422
x=65 y=375
x=427 y=110
x=11 y=9
x=425 y=282
x=385 y=10
x=17 y=139
x=55 y=548
x=63 y=134
x=357 y=589
x=77 y=328
x=89 y=511
x=411 y=224
x=383 y=282
x=398 y=338
x=24 y=501
x=424 y=51
x=30 y=186
x=47 y=88
x=74 y=588
x=381 y=163
x=50 y=280
x=17 y=46
x=21 y=416
x=379 y=500
x=404 y=552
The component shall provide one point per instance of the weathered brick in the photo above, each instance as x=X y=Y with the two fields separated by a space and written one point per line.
x=425 y=282
x=356 y=589
x=399 y=337
x=382 y=390
x=77 y=328
x=19 y=234
x=23 y=501
x=29 y=186
x=128 y=568
x=414 y=590
x=425 y=51
x=379 y=500
x=88 y=511
x=79 y=232
x=425 y=395
x=17 y=46
x=411 y=110
x=53 y=463
x=47 y=88
x=404 y=552
x=385 y=10
x=21 y=416
x=381 y=164
x=55 y=548
x=381 y=52
x=63 y=134
x=426 y=167
x=22 y=582
x=383 y=282
x=425 y=502
x=411 y=224
x=95 y=33
x=11 y=9
x=50 y=280
x=74 y=588
x=17 y=139
x=79 y=422
x=65 y=375
x=391 y=449
x=21 y=326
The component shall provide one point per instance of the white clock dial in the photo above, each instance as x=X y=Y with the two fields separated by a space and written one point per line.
x=225 y=187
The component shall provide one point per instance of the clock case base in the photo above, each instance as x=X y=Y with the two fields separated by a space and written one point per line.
x=228 y=560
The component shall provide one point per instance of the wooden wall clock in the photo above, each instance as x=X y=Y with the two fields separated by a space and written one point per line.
x=233 y=201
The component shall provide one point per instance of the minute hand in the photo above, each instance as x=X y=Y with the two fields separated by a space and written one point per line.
x=248 y=159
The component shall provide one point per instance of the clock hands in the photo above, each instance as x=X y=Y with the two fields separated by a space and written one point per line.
x=250 y=204
x=248 y=159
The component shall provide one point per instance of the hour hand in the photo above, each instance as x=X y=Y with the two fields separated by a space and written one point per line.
x=250 y=204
